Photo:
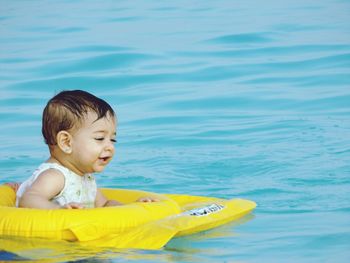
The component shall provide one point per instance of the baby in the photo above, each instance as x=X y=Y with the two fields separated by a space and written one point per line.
x=80 y=130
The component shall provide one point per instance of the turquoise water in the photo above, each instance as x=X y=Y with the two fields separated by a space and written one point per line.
x=216 y=98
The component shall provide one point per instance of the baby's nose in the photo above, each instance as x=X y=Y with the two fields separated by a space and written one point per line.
x=109 y=146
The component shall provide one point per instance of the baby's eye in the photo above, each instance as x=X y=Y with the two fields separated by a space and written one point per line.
x=99 y=139
x=113 y=140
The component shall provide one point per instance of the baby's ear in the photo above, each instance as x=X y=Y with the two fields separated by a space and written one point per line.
x=64 y=141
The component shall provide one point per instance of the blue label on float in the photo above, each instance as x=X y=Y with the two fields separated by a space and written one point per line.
x=203 y=211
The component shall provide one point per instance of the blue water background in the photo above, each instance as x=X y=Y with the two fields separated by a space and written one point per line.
x=223 y=98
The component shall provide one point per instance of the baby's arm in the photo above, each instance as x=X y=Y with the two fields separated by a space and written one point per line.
x=44 y=188
x=101 y=200
x=147 y=199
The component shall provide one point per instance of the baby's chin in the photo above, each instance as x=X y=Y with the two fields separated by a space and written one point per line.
x=98 y=168
x=100 y=164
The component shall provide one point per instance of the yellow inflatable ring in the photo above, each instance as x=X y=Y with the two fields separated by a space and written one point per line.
x=133 y=225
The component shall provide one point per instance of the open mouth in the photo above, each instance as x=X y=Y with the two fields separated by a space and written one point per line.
x=104 y=159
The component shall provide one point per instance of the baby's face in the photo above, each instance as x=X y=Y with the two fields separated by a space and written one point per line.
x=93 y=144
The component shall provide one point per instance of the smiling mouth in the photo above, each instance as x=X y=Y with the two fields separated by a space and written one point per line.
x=104 y=159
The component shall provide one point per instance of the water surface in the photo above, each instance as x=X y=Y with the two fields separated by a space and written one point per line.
x=216 y=98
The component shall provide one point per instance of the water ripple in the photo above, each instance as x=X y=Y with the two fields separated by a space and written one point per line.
x=90 y=48
x=276 y=51
x=96 y=63
x=246 y=38
x=219 y=98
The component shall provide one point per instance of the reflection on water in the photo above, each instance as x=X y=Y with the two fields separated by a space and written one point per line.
x=182 y=248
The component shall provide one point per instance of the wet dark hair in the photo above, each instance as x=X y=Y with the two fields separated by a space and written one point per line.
x=67 y=109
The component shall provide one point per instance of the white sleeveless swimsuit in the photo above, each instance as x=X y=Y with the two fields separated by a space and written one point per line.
x=80 y=189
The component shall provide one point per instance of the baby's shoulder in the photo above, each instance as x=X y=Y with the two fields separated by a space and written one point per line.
x=51 y=174
x=50 y=168
x=52 y=171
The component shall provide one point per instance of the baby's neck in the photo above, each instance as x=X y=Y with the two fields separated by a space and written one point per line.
x=64 y=160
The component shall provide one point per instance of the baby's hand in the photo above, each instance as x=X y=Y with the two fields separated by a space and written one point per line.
x=147 y=199
x=14 y=186
x=73 y=205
